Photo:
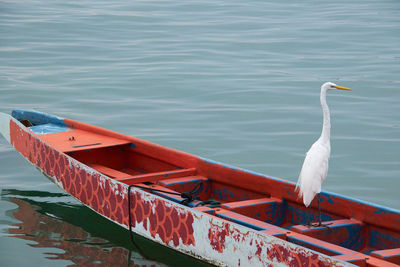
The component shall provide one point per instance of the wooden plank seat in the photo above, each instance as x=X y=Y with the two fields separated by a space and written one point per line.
x=275 y=232
x=391 y=255
x=176 y=183
x=156 y=176
x=205 y=209
x=141 y=178
x=109 y=171
x=335 y=251
x=345 y=233
x=173 y=195
x=266 y=209
x=248 y=221
x=375 y=262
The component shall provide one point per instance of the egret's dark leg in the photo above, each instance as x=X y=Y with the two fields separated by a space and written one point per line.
x=309 y=224
x=319 y=223
x=319 y=209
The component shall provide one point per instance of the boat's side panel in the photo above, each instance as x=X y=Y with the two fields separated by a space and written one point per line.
x=168 y=223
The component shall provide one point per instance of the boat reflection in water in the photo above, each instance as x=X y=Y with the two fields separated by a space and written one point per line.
x=85 y=237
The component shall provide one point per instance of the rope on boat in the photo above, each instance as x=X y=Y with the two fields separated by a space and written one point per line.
x=211 y=203
x=188 y=197
x=130 y=225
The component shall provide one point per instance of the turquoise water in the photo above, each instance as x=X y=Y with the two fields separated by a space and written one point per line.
x=233 y=81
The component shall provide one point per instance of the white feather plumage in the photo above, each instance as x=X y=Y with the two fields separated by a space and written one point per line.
x=315 y=166
x=314 y=171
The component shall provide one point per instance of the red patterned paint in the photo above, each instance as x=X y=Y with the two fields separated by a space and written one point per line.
x=163 y=221
x=103 y=195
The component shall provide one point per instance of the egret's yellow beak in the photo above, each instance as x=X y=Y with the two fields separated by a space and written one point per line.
x=342 y=88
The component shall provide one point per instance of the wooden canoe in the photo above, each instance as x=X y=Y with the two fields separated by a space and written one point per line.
x=220 y=214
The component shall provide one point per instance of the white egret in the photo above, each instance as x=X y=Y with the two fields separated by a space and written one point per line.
x=315 y=166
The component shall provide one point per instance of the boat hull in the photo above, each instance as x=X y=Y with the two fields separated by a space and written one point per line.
x=185 y=229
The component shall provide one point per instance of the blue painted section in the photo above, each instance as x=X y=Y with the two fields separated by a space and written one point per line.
x=132 y=145
x=49 y=128
x=218 y=194
x=380 y=210
x=381 y=240
x=330 y=200
x=36 y=117
x=355 y=240
x=207 y=187
x=274 y=213
x=225 y=195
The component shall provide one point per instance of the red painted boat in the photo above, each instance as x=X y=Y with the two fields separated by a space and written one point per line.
x=217 y=213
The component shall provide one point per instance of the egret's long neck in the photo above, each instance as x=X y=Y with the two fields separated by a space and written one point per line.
x=326 y=126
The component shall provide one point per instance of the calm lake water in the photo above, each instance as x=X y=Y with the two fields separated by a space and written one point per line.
x=233 y=81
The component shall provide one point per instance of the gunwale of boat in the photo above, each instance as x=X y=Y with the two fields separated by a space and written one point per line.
x=359 y=233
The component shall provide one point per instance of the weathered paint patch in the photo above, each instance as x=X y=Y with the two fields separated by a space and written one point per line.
x=217 y=235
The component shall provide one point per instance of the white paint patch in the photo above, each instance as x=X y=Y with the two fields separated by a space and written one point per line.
x=5 y=125
x=234 y=251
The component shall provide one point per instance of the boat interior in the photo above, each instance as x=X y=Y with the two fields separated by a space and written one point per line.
x=134 y=161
